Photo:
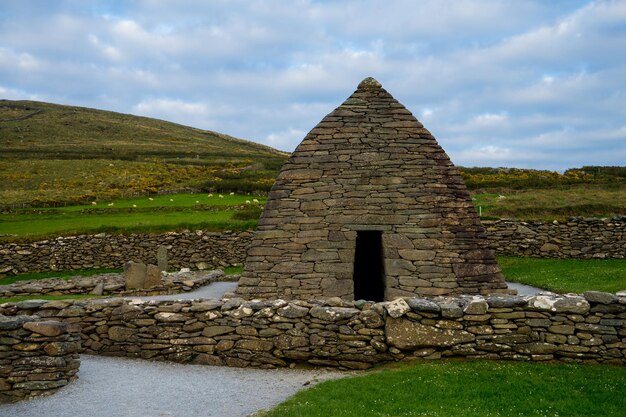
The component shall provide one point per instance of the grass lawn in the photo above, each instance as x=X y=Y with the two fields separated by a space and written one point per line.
x=466 y=388
x=145 y=214
x=566 y=275
x=19 y=298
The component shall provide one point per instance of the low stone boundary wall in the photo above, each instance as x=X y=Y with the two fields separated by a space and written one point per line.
x=36 y=357
x=113 y=284
x=276 y=333
x=574 y=238
x=196 y=250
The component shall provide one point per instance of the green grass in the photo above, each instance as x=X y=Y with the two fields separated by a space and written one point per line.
x=144 y=214
x=233 y=270
x=566 y=275
x=31 y=276
x=19 y=298
x=462 y=389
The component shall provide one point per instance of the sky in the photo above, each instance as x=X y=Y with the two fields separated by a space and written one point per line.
x=513 y=83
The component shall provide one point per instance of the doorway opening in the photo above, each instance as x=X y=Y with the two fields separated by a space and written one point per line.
x=369 y=268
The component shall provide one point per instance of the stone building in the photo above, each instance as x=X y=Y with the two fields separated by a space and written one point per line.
x=369 y=206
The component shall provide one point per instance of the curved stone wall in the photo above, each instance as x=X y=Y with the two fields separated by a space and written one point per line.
x=36 y=357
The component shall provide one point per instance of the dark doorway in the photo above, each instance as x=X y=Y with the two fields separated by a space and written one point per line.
x=369 y=269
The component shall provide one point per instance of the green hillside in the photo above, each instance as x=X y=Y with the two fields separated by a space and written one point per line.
x=54 y=154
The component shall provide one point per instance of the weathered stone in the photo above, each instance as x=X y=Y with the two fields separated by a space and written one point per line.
x=286 y=341
x=451 y=310
x=536 y=348
x=61 y=348
x=170 y=317
x=212 y=331
x=406 y=334
x=476 y=307
x=505 y=302
x=423 y=305
x=254 y=344
x=293 y=311
x=162 y=260
x=135 y=275
x=600 y=297
x=121 y=334
x=46 y=328
x=333 y=313
x=153 y=276
x=15 y=322
x=397 y=308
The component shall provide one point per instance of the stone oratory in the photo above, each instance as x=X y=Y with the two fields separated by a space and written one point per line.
x=369 y=207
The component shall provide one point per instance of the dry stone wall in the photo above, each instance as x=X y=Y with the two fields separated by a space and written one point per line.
x=112 y=284
x=198 y=249
x=575 y=238
x=355 y=335
x=36 y=357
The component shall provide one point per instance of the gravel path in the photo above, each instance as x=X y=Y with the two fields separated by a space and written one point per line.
x=523 y=289
x=214 y=290
x=123 y=387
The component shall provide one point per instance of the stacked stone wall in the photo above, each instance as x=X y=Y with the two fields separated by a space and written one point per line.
x=36 y=357
x=574 y=238
x=113 y=284
x=277 y=333
x=198 y=249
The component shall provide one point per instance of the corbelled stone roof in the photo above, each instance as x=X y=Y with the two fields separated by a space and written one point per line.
x=369 y=165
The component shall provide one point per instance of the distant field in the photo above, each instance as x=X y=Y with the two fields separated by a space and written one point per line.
x=142 y=214
x=54 y=155
x=589 y=200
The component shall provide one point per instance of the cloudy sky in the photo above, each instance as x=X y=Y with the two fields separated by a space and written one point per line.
x=523 y=83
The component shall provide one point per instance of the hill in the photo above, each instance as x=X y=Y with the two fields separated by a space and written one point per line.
x=54 y=154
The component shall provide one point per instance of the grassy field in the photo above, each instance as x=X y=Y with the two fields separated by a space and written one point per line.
x=566 y=275
x=546 y=204
x=52 y=154
x=141 y=214
x=466 y=388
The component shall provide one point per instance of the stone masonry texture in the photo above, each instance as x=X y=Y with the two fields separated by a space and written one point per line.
x=348 y=335
x=369 y=165
x=37 y=357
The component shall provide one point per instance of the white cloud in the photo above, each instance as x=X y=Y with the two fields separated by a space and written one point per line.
x=503 y=82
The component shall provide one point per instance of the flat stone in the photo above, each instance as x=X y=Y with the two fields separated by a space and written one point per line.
x=421 y=304
x=406 y=334
x=170 y=317
x=15 y=322
x=333 y=313
x=510 y=301
x=397 y=308
x=293 y=311
x=121 y=334
x=212 y=331
x=46 y=328
x=600 y=297
x=476 y=307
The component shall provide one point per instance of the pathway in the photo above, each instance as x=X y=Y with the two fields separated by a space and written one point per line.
x=123 y=387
